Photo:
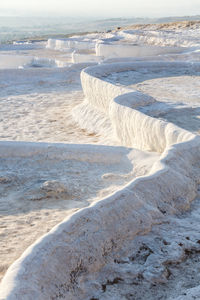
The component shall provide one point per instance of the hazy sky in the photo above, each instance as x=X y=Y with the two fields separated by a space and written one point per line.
x=102 y=8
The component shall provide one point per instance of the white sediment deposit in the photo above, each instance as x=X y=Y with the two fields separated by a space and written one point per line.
x=130 y=231
x=173 y=85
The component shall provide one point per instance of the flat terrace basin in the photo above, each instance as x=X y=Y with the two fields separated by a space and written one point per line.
x=41 y=184
x=176 y=90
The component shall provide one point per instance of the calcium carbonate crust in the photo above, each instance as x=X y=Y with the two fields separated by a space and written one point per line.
x=83 y=243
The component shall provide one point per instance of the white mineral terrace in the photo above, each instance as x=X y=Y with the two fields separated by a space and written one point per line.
x=100 y=167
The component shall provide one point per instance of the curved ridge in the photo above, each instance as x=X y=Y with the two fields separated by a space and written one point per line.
x=54 y=265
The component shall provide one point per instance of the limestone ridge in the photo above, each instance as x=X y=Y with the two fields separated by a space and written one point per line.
x=55 y=265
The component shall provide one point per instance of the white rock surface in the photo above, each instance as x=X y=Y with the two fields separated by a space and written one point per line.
x=131 y=50
x=93 y=252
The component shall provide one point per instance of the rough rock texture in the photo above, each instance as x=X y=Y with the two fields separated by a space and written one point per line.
x=119 y=105
x=56 y=265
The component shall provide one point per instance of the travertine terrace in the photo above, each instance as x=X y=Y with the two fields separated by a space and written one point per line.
x=138 y=223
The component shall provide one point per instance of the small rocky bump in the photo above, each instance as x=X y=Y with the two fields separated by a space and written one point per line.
x=54 y=187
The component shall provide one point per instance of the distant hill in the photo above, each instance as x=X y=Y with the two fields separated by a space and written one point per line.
x=177 y=19
x=136 y=20
x=112 y=23
x=164 y=26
